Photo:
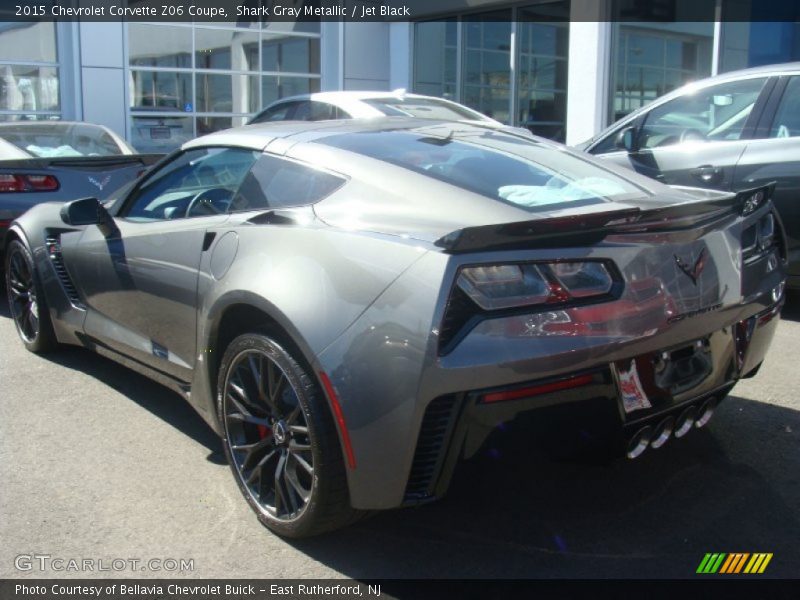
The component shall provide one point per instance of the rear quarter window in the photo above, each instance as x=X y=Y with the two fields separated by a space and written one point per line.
x=280 y=183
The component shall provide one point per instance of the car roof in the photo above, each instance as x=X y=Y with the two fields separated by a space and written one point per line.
x=765 y=70
x=353 y=102
x=259 y=135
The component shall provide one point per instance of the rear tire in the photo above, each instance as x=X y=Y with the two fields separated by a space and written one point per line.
x=280 y=439
x=26 y=300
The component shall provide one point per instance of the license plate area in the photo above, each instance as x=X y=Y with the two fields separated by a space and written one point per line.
x=676 y=371
x=656 y=381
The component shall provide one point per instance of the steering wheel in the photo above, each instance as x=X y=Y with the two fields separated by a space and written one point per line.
x=206 y=199
x=692 y=135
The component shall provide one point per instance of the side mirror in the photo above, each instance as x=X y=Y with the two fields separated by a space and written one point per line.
x=626 y=139
x=87 y=211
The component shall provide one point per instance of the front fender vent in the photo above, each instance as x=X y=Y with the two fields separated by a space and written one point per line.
x=53 y=245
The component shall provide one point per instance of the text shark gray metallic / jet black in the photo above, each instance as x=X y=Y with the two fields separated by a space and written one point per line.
x=354 y=306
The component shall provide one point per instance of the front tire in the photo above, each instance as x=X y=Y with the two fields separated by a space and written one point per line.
x=280 y=439
x=26 y=300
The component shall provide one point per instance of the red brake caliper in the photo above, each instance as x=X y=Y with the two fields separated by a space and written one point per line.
x=263 y=430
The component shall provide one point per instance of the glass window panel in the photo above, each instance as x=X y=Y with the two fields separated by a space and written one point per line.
x=647 y=83
x=173 y=190
x=787 y=119
x=276 y=87
x=491 y=101
x=541 y=99
x=501 y=167
x=56 y=138
x=211 y=124
x=278 y=183
x=436 y=57
x=159 y=46
x=161 y=90
x=226 y=93
x=11 y=117
x=496 y=36
x=160 y=134
x=292 y=54
x=718 y=112
x=645 y=50
x=496 y=68
x=651 y=60
x=29 y=88
x=226 y=49
x=473 y=68
x=307 y=25
x=34 y=42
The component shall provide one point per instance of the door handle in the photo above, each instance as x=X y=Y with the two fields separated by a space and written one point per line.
x=707 y=173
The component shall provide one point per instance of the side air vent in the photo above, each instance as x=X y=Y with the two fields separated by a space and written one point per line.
x=460 y=309
x=437 y=427
x=53 y=244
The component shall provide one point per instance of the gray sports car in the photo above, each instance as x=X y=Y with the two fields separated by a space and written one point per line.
x=355 y=305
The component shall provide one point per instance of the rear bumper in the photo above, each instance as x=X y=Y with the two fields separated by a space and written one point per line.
x=411 y=412
x=585 y=410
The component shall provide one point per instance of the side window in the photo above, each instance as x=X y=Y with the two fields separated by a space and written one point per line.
x=322 y=111
x=196 y=183
x=279 y=183
x=787 y=119
x=608 y=143
x=282 y=112
x=715 y=113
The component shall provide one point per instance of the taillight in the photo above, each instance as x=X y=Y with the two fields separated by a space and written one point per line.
x=27 y=183
x=495 y=287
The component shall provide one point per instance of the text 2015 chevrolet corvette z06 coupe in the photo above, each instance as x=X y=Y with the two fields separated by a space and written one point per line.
x=355 y=305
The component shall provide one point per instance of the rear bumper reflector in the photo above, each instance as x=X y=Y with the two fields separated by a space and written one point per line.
x=537 y=390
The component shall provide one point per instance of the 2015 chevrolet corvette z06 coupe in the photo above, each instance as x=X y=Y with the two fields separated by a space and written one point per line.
x=353 y=306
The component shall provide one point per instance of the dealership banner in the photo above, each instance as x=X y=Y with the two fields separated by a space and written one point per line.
x=253 y=11
x=399 y=589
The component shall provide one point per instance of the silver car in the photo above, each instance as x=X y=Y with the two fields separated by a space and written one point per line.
x=730 y=132
x=355 y=305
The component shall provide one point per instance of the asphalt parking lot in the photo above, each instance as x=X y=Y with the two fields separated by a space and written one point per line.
x=98 y=462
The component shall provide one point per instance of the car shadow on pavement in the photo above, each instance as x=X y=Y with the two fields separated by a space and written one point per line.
x=160 y=401
x=791 y=310
x=153 y=397
x=511 y=513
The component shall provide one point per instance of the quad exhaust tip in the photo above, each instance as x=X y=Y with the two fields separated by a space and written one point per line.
x=655 y=437
x=706 y=411
x=685 y=421
x=662 y=432
x=639 y=442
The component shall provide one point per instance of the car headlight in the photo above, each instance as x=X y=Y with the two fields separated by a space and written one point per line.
x=495 y=287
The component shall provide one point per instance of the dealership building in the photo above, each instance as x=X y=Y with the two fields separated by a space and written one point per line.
x=523 y=63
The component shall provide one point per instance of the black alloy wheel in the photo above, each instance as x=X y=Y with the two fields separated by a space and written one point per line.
x=280 y=440
x=26 y=301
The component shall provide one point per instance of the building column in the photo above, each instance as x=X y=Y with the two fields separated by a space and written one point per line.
x=400 y=55
x=589 y=69
x=103 y=75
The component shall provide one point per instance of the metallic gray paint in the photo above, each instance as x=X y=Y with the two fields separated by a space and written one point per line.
x=359 y=288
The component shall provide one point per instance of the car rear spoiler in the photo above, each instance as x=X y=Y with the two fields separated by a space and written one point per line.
x=590 y=228
x=82 y=162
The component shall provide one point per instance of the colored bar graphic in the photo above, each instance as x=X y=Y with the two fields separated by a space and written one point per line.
x=727 y=564
x=734 y=563
x=764 y=564
x=703 y=564
x=740 y=564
